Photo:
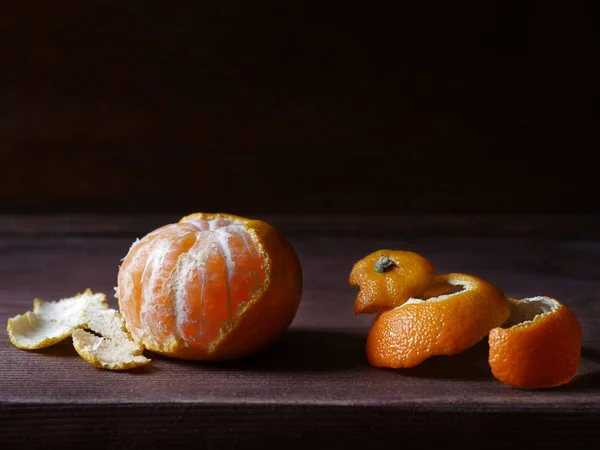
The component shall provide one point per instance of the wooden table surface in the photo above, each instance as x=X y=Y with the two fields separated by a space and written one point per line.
x=314 y=388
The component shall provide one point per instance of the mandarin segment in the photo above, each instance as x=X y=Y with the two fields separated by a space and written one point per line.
x=229 y=270
x=129 y=284
x=538 y=347
x=155 y=285
x=444 y=325
x=272 y=309
x=388 y=278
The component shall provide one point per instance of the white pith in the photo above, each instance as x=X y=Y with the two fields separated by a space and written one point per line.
x=526 y=310
x=462 y=282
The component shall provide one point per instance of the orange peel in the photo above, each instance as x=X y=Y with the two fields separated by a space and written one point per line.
x=110 y=346
x=52 y=322
x=538 y=347
x=388 y=278
x=446 y=324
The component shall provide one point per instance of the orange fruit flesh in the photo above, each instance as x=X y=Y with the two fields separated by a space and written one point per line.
x=185 y=284
x=538 y=347
x=444 y=325
x=406 y=275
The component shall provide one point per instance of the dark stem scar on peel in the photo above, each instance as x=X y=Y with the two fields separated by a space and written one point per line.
x=383 y=264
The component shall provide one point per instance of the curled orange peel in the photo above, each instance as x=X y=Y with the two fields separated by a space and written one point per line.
x=388 y=278
x=538 y=347
x=445 y=324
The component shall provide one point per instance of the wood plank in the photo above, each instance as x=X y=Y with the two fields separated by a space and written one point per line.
x=188 y=425
x=314 y=386
x=569 y=226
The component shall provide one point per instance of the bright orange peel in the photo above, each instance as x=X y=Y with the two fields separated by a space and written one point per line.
x=538 y=347
x=447 y=324
x=388 y=278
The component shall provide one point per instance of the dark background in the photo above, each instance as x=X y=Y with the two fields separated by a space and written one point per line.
x=298 y=108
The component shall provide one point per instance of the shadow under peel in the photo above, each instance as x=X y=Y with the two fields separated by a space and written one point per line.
x=472 y=364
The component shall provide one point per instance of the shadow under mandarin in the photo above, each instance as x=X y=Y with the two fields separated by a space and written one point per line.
x=299 y=351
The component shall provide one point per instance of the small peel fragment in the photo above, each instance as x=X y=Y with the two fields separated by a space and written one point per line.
x=51 y=322
x=114 y=349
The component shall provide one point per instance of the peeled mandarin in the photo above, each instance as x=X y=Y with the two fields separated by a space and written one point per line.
x=210 y=287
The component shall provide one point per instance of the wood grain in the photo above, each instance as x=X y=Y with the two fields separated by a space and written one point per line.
x=314 y=388
x=569 y=226
x=295 y=427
